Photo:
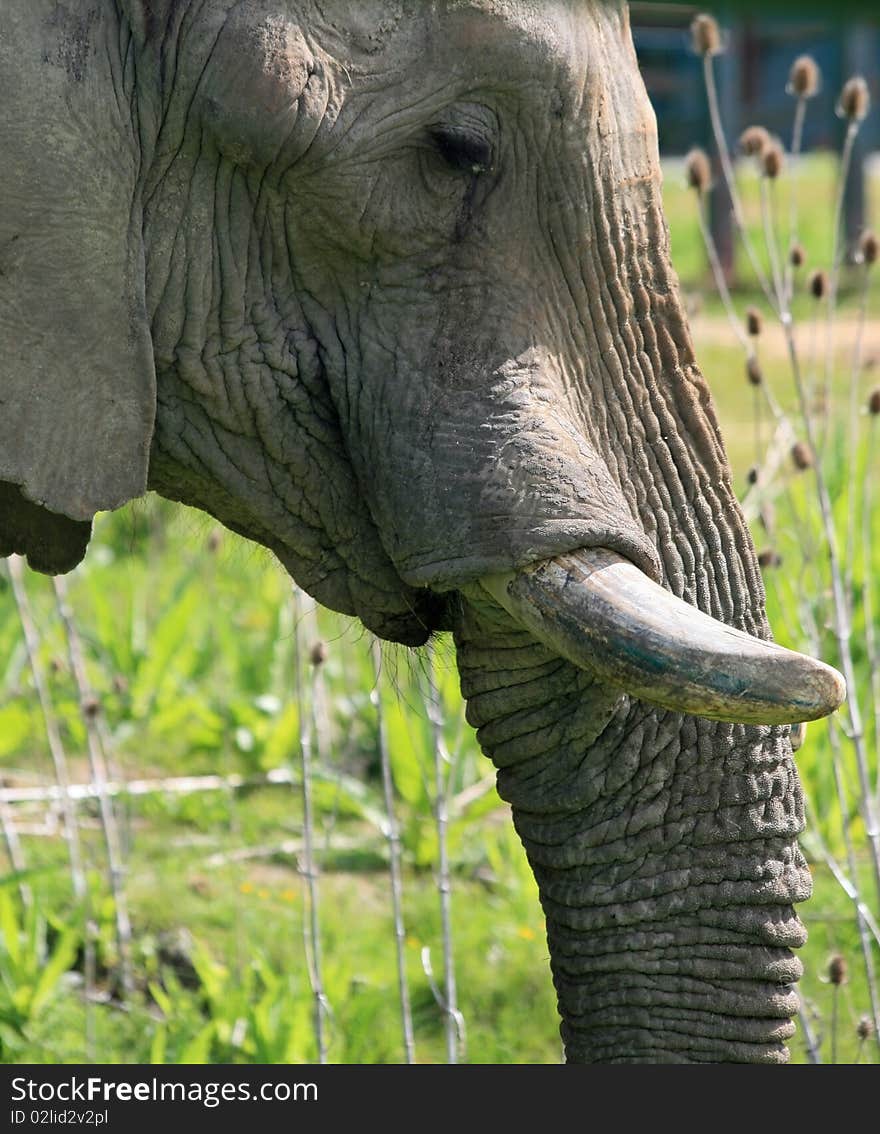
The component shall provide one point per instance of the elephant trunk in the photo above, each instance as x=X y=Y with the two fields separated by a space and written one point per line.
x=665 y=851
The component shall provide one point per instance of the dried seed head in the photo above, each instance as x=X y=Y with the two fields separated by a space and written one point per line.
x=865 y=1028
x=754 y=140
x=754 y=321
x=801 y=455
x=855 y=99
x=769 y=558
x=869 y=247
x=772 y=160
x=705 y=35
x=752 y=475
x=797 y=735
x=818 y=283
x=318 y=653
x=698 y=170
x=214 y=540
x=90 y=706
x=803 y=78
x=753 y=371
x=837 y=969
x=796 y=255
x=874 y=402
x=120 y=684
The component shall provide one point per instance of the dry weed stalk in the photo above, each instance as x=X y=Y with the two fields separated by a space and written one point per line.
x=448 y=998
x=853 y=106
x=14 y=852
x=308 y=868
x=68 y=810
x=392 y=834
x=708 y=46
x=90 y=708
x=50 y=723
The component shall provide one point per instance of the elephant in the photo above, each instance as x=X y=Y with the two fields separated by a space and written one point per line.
x=385 y=286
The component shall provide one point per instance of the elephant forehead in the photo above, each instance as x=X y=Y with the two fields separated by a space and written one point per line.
x=483 y=41
x=545 y=32
x=570 y=61
x=554 y=40
x=567 y=62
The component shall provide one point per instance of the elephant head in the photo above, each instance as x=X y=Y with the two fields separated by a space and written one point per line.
x=385 y=286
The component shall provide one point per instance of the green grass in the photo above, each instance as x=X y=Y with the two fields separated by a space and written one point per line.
x=815 y=193
x=191 y=638
x=191 y=649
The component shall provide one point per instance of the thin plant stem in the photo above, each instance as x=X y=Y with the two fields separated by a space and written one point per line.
x=864 y=937
x=718 y=276
x=837 y=250
x=15 y=852
x=164 y=785
x=776 y=452
x=769 y=226
x=852 y=462
x=811 y=378
x=839 y=874
x=835 y=991
x=235 y=832
x=322 y=735
x=865 y=920
x=730 y=178
x=307 y=865
x=810 y=1040
x=868 y=596
x=797 y=134
x=790 y=628
x=727 y=302
x=807 y=543
x=53 y=736
x=97 y=764
x=394 y=856
x=841 y=620
x=68 y=810
x=444 y=877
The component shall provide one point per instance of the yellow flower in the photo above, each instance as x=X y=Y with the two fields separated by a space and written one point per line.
x=246 y=887
x=526 y=933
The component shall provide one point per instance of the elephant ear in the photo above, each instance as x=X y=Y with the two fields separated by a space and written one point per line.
x=77 y=380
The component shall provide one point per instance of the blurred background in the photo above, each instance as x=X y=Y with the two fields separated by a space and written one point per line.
x=236 y=829
x=758 y=50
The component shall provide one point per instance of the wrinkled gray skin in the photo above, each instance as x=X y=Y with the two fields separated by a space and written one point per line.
x=394 y=279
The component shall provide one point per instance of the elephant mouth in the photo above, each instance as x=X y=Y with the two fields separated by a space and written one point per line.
x=598 y=610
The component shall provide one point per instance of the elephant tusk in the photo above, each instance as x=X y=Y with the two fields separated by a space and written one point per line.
x=601 y=612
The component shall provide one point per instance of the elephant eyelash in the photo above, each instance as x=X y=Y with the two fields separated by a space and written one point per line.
x=463 y=152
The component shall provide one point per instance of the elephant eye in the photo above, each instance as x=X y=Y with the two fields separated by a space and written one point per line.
x=462 y=150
